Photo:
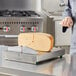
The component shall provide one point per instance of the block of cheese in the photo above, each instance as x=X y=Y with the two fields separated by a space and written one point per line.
x=36 y=41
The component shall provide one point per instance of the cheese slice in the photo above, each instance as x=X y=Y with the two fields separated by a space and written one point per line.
x=36 y=41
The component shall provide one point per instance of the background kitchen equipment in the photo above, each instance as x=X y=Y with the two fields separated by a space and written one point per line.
x=62 y=3
x=20 y=4
x=54 y=16
x=37 y=6
x=14 y=22
x=18 y=22
x=25 y=16
x=34 y=5
x=53 y=5
x=61 y=39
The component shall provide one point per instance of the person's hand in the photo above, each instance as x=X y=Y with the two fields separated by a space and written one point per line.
x=67 y=22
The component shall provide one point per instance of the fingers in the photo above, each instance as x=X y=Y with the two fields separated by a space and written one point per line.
x=67 y=22
x=70 y=22
x=64 y=22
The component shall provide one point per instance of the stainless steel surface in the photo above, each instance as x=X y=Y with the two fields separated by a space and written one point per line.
x=57 y=13
x=18 y=4
x=25 y=54
x=5 y=74
x=54 y=27
x=62 y=3
x=57 y=67
x=10 y=27
x=54 y=6
x=72 y=71
x=16 y=22
x=19 y=72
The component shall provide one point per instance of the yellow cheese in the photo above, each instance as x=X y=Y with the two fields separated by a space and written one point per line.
x=36 y=41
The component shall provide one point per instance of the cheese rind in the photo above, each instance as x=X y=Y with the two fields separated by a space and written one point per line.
x=36 y=41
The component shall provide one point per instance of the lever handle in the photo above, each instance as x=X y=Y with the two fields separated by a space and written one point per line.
x=64 y=29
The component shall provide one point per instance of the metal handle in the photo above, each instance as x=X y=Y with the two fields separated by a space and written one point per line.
x=64 y=29
x=11 y=36
x=2 y=36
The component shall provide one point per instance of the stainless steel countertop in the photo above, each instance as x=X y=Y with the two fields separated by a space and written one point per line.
x=57 y=67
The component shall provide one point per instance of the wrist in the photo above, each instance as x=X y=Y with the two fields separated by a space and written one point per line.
x=68 y=17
